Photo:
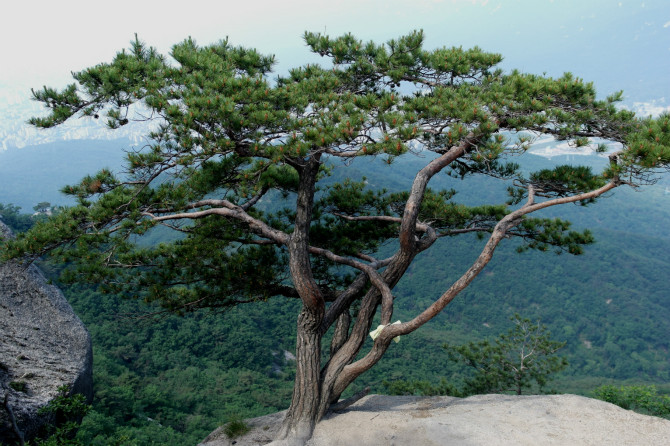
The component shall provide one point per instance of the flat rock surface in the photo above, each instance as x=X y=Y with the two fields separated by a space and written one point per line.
x=43 y=345
x=478 y=420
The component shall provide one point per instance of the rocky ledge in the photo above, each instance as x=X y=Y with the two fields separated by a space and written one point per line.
x=500 y=420
x=43 y=346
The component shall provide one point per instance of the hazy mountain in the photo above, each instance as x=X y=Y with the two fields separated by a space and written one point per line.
x=622 y=45
x=36 y=173
x=16 y=108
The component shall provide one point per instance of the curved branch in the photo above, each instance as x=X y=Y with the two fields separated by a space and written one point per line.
x=351 y=371
x=504 y=225
x=420 y=227
x=230 y=211
x=463 y=231
x=343 y=154
x=347 y=296
x=375 y=278
x=413 y=204
x=275 y=236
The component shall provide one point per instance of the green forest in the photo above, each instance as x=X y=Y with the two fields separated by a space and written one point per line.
x=165 y=379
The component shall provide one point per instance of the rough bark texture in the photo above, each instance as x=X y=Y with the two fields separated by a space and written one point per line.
x=304 y=412
x=43 y=346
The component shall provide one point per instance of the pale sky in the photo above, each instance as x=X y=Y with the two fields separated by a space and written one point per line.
x=42 y=41
x=618 y=44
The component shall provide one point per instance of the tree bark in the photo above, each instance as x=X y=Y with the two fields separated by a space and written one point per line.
x=306 y=404
x=316 y=390
x=304 y=412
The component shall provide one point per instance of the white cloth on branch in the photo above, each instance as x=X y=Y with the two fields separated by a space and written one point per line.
x=374 y=333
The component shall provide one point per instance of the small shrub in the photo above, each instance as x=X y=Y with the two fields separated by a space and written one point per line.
x=236 y=427
x=19 y=386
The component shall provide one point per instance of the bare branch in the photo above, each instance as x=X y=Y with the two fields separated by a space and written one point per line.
x=420 y=227
x=229 y=210
x=373 y=275
x=341 y=405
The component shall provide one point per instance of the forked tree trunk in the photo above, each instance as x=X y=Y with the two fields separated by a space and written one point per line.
x=304 y=412
x=315 y=390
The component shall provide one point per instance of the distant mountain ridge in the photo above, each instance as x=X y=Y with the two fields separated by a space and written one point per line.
x=16 y=108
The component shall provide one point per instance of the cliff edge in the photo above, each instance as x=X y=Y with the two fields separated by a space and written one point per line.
x=43 y=346
x=501 y=420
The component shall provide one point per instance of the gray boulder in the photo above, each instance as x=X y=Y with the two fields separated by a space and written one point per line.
x=43 y=346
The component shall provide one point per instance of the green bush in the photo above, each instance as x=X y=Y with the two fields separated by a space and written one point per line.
x=67 y=412
x=522 y=358
x=643 y=399
x=418 y=387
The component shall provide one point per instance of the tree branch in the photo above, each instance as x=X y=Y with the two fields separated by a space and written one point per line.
x=229 y=211
x=512 y=219
x=420 y=227
x=413 y=204
x=341 y=405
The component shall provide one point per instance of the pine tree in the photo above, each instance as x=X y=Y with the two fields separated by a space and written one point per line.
x=229 y=138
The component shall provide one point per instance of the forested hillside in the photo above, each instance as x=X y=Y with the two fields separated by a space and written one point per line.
x=171 y=380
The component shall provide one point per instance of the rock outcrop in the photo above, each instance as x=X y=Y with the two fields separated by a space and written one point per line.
x=43 y=346
x=500 y=420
